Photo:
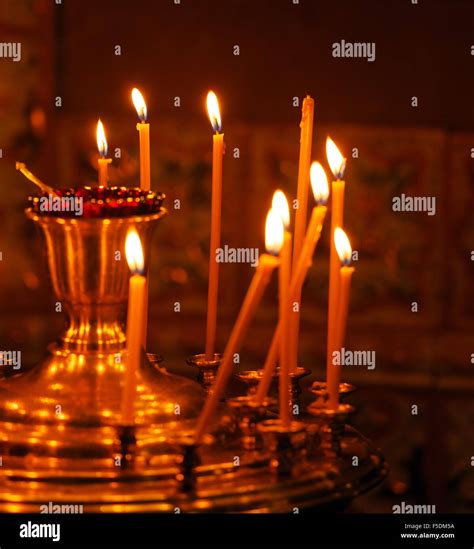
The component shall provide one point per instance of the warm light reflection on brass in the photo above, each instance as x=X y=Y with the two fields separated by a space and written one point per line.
x=60 y=421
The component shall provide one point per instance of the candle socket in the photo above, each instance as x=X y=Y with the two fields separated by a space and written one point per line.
x=248 y=415
x=332 y=425
x=207 y=369
x=319 y=389
x=155 y=360
x=127 y=446
x=286 y=444
x=189 y=460
x=295 y=386
x=252 y=378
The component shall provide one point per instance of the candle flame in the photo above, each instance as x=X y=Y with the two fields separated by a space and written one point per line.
x=319 y=183
x=140 y=104
x=280 y=206
x=101 y=140
x=337 y=162
x=274 y=232
x=134 y=252
x=343 y=246
x=214 y=112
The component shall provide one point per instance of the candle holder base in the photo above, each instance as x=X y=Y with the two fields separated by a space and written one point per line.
x=333 y=424
x=207 y=369
x=127 y=446
x=295 y=387
x=286 y=444
x=248 y=415
x=319 y=389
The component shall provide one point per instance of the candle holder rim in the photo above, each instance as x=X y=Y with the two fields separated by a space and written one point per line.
x=276 y=426
x=246 y=375
x=155 y=358
x=344 y=388
x=299 y=373
x=246 y=400
x=342 y=411
x=189 y=440
x=200 y=360
x=63 y=220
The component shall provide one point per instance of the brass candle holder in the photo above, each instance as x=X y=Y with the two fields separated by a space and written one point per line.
x=207 y=369
x=61 y=428
x=286 y=444
x=319 y=389
x=251 y=378
x=333 y=424
x=249 y=414
x=295 y=386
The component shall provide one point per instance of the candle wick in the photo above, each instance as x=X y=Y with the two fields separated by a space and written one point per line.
x=20 y=166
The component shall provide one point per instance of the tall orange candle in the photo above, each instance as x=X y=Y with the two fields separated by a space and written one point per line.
x=337 y=164
x=319 y=184
x=135 y=316
x=344 y=251
x=280 y=206
x=144 y=134
x=266 y=265
x=213 y=284
x=102 y=147
x=306 y=141
x=321 y=191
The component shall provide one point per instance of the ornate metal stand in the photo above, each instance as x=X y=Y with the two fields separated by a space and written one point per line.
x=61 y=437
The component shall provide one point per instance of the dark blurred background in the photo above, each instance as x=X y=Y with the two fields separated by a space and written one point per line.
x=181 y=50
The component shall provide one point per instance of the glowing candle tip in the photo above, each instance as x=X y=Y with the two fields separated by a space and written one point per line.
x=319 y=183
x=274 y=232
x=214 y=111
x=139 y=104
x=134 y=252
x=343 y=246
x=336 y=161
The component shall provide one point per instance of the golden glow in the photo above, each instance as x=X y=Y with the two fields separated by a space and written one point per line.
x=319 y=183
x=140 y=104
x=280 y=206
x=336 y=161
x=101 y=140
x=214 y=112
x=274 y=232
x=134 y=252
x=343 y=246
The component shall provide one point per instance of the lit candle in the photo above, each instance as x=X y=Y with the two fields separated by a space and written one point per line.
x=344 y=251
x=144 y=133
x=135 y=318
x=102 y=147
x=213 y=284
x=306 y=141
x=320 y=188
x=337 y=164
x=274 y=233
x=280 y=206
